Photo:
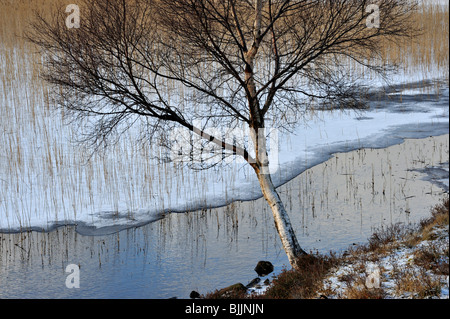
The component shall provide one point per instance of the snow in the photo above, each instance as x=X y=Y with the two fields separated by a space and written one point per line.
x=397 y=263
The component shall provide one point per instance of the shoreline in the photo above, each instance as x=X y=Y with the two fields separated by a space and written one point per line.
x=387 y=185
x=399 y=262
x=404 y=190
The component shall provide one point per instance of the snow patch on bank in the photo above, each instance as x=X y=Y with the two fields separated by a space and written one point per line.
x=391 y=270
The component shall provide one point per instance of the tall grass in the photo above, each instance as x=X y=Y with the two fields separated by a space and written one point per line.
x=43 y=175
x=427 y=53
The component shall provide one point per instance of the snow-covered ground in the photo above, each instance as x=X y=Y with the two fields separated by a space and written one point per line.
x=396 y=274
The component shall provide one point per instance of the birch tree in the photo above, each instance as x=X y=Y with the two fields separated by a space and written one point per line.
x=172 y=64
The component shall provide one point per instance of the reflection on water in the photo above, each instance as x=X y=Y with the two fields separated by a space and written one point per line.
x=183 y=252
x=332 y=205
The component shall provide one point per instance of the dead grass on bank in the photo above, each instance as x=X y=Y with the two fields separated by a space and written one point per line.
x=413 y=261
x=416 y=274
x=420 y=277
x=289 y=284
x=304 y=282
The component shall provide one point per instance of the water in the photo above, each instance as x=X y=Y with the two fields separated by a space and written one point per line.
x=332 y=206
x=333 y=203
x=165 y=259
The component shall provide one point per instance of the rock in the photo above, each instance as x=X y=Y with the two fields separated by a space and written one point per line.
x=194 y=295
x=263 y=268
x=253 y=283
x=231 y=291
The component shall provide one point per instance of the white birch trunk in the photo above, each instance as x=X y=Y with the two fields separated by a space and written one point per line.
x=261 y=164
x=281 y=218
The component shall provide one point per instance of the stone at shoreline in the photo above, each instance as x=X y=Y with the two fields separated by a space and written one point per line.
x=253 y=283
x=263 y=268
x=231 y=291
x=194 y=295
